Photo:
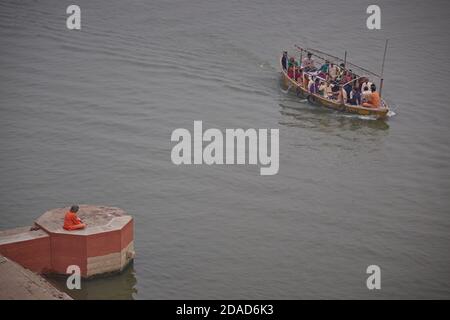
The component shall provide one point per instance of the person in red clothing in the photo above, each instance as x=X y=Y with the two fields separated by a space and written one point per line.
x=71 y=220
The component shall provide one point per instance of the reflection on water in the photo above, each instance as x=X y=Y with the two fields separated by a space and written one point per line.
x=121 y=286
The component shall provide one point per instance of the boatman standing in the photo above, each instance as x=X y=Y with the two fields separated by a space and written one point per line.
x=284 y=60
x=71 y=220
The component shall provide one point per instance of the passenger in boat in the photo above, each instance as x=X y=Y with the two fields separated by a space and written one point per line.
x=340 y=72
x=311 y=82
x=306 y=81
x=374 y=98
x=323 y=70
x=332 y=71
x=347 y=82
x=335 y=92
x=71 y=220
x=348 y=77
x=308 y=63
x=355 y=96
x=298 y=75
x=295 y=68
x=365 y=96
x=292 y=62
x=328 y=91
x=359 y=83
x=314 y=86
x=365 y=93
x=365 y=83
x=322 y=89
x=284 y=60
x=290 y=72
x=342 y=95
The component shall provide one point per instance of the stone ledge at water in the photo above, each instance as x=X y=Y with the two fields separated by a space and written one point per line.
x=18 y=283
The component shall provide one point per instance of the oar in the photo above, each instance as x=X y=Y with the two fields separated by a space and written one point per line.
x=289 y=88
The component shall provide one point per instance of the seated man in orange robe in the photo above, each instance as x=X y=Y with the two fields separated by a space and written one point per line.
x=71 y=220
x=374 y=98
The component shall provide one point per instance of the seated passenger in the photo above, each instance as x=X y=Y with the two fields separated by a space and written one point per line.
x=333 y=71
x=308 y=63
x=342 y=95
x=323 y=70
x=305 y=81
x=322 y=89
x=365 y=93
x=347 y=77
x=298 y=75
x=290 y=72
x=355 y=97
x=365 y=83
x=314 y=86
x=374 y=98
x=335 y=92
x=71 y=220
x=340 y=72
x=292 y=62
x=328 y=91
x=347 y=82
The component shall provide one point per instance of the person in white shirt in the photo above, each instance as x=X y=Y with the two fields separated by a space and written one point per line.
x=365 y=93
x=308 y=63
x=333 y=71
x=365 y=85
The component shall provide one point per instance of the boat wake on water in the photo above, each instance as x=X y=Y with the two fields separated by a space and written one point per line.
x=391 y=114
x=393 y=109
x=360 y=117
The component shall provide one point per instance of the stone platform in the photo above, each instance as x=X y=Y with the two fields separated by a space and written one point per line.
x=104 y=246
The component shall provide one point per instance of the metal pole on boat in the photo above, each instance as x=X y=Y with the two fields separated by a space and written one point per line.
x=382 y=66
x=301 y=57
x=345 y=59
x=294 y=67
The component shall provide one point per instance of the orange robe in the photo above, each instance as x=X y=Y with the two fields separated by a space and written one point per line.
x=374 y=101
x=72 y=222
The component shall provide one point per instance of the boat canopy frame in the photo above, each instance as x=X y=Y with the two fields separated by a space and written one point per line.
x=357 y=70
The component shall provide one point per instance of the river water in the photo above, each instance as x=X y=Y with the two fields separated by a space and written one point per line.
x=86 y=117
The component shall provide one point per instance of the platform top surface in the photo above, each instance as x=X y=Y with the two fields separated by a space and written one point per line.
x=20 y=234
x=97 y=218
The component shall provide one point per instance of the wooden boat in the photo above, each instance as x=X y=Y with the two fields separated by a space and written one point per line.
x=301 y=91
